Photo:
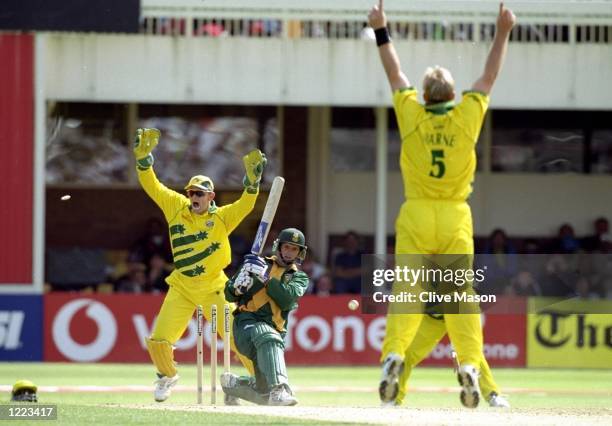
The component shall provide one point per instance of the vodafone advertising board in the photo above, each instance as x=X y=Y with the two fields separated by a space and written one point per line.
x=111 y=328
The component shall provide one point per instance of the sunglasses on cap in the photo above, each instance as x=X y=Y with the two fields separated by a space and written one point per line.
x=191 y=193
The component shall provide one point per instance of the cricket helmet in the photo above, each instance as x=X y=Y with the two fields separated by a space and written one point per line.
x=24 y=391
x=291 y=236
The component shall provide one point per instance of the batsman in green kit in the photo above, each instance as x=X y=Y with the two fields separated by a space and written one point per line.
x=199 y=233
x=266 y=290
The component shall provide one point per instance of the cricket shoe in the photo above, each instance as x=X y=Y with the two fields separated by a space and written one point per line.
x=280 y=395
x=163 y=387
x=497 y=401
x=230 y=400
x=229 y=380
x=392 y=368
x=467 y=376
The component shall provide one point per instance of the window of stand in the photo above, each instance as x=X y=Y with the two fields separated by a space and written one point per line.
x=88 y=144
x=353 y=140
x=551 y=142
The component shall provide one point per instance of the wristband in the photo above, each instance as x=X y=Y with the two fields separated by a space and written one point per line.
x=382 y=36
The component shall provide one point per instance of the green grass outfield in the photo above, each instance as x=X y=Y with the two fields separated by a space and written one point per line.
x=129 y=391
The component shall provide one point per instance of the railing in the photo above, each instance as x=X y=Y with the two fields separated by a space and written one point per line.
x=544 y=21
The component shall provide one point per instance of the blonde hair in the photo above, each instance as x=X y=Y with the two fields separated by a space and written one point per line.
x=438 y=85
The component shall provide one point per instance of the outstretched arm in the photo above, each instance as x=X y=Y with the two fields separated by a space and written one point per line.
x=388 y=55
x=497 y=54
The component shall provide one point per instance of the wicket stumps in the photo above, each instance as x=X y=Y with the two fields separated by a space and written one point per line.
x=213 y=348
x=200 y=351
x=213 y=354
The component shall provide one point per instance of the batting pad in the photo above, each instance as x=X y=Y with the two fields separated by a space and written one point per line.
x=161 y=353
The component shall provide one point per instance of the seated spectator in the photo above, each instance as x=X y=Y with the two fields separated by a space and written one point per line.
x=585 y=290
x=524 y=284
x=157 y=273
x=601 y=241
x=266 y=27
x=531 y=246
x=135 y=281
x=531 y=259
x=566 y=241
x=558 y=277
x=347 y=266
x=324 y=286
x=313 y=269
x=500 y=260
x=210 y=29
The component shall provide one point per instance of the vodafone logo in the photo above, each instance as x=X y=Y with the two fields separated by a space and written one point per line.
x=101 y=345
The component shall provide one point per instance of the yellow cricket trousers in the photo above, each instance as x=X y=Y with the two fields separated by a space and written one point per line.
x=178 y=309
x=434 y=227
x=431 y=331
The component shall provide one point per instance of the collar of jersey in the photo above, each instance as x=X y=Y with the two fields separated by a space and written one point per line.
x=441 y=107
x=274 y=258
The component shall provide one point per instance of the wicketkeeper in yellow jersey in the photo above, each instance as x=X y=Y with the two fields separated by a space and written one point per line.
x=199 y=233
x=438 y=162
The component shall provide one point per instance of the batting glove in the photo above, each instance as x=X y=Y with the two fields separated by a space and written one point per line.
x=255 y=265
x=243 y=283
x=146 y=140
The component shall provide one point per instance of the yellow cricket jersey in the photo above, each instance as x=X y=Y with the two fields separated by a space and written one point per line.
x=438 y=159
x=200 y=244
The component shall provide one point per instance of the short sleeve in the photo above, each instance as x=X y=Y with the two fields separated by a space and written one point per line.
x=406 y=107
x=473 y=107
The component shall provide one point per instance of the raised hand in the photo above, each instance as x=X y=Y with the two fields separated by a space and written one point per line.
x=505 y=19
x=254 y=163
x=146 y=140
x=377 y=18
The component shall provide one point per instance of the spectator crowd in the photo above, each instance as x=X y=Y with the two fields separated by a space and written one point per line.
x=560 y=266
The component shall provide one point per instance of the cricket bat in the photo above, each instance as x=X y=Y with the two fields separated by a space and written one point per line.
x=268 y=215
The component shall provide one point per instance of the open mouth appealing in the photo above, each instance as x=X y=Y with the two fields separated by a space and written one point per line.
x=195 y=205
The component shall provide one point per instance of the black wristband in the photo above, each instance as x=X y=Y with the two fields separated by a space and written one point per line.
x=382 y=36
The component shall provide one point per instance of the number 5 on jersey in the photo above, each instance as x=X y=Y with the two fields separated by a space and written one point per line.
x=437 y=163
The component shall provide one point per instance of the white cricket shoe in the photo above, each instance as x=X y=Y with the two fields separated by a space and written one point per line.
x=281 y=395
x=163 y=387
x=467 y=376
x=392 y=367
x=498 y=401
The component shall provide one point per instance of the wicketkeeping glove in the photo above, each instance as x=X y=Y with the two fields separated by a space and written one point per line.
x=146 y=140
x=254 y=163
